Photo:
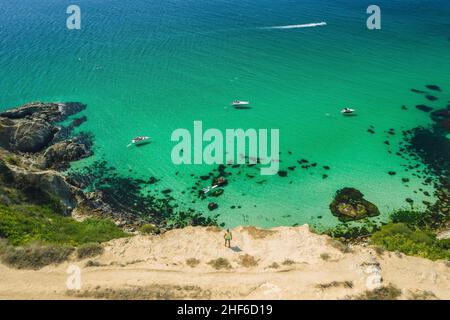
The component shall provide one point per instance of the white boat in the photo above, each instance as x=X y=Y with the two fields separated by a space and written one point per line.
x=209 y=188
x=347 y=111
x=138 y=140
x=240 y=103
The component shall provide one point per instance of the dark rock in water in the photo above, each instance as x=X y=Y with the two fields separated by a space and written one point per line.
x=433 y=87
x=152 y=180
x=212 y=206
x=392 y=173
x=326 y=167
x=78 y=121
x=371 y=131
x=282 y=173
x=349 y=204
x=417 y=91
x=217 y=192
x=324 y=176
x=405 y=180
x=431 y=98
x=204 y=177
x=166 y=191
x=220 y=181
x=292 y=168
x=404 y=107
x=442 y=117
x=387 y=143
x=314 y=164
x=409 y=200
x=424 y=108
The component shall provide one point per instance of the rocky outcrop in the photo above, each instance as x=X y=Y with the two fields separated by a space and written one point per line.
x=62 y=152
x=31 y=127
x=50 y=182
x=349 y=204
x=29 y=132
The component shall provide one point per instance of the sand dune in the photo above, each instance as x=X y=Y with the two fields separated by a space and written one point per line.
x=281 y=263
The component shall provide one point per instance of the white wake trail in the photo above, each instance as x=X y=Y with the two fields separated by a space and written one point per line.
x=297 y=26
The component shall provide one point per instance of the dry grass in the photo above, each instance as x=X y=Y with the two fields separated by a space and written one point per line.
x=92 y=263
x=220 y=264
x=335 y=284
x=389 y=292
x=379 y=250
x=423 y=295
x=288 y=262
x=34 y=256
x=342 y=247
x=89 y=250
x=213 y=229
x=258 y=233
x=248 y=261
x=274 y=265
x=325 y=256
x=154 y=292
x=192 y=262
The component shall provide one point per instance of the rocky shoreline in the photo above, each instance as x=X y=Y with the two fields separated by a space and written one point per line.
x=35 y=149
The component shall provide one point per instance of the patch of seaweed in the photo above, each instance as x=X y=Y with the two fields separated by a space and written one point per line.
x=131 y=198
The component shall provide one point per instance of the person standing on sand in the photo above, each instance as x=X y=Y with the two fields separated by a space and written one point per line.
x=228 y=237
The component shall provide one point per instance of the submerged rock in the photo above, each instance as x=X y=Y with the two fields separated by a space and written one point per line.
x=282 y=173
x=433 y=87
x=349 y=204
x=212 y=206
x=424 y=108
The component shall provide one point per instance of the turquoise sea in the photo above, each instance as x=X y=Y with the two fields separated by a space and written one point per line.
x=148 y=67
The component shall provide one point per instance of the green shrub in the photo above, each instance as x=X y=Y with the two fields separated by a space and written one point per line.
x=12 y=160
x=24 y=224
x=400 y=237
x=34 y=256
x=89 y=250
x=149 y=229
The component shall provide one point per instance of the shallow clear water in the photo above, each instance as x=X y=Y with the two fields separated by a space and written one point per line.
x=150 y=67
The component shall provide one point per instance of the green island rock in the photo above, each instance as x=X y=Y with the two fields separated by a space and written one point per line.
x=349 y=204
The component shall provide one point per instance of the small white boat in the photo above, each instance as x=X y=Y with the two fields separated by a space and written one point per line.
x=347 y=111
x=209 y=188
x=138 y=140
x=240 y=103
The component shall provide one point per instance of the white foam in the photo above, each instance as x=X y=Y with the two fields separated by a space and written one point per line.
x=297 y=26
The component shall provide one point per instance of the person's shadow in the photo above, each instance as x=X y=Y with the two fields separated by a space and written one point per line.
x=236 y=249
